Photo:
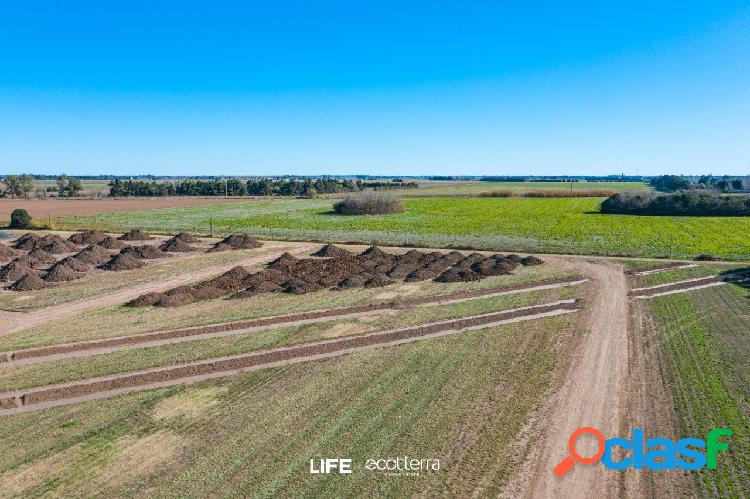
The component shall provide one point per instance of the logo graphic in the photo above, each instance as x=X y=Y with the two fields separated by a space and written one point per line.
x=327 y=465
x=656 y=454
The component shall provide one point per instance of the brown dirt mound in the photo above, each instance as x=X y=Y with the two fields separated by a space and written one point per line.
x=176 y=300
x=284 y=261
x=122 y=262
x=145 y=252
x=379 y=281
x=147 y=300
x=93 y=255
x=87 y=237
x=110 y=242
x=375 y=252
x=175 y=245
x=28 y=282
x=331 y=251
x=42 y=256
x=513 y=258
x=231 y=281
x=240 y=241
x=354 y=281
x=453 y=275
x=531 y=260
x=402 y=270
x=16 y=269
x=186 y=238
x=62 y=273
x=299 y=287
x=73 y=264
x=50 y=243
x=421 y=275
x=26 y=242
x=6 y=253
x=135 y=235
x=220 y=247
x=263 y=287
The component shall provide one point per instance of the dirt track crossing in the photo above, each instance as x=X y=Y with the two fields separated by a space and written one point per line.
x=53 y=395
x=107 y=345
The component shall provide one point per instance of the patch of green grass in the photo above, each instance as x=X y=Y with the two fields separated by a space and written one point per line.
x=509 y=224
x=461 y=399
x=704 y=343
x=476 y=187
x=702 y=270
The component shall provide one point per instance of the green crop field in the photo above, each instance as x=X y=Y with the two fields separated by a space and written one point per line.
x=704 y=346
x=476 y=187
x=503 y=224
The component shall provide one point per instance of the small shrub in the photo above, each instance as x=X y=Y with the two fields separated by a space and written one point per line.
x=20 y=219
x=369 y=203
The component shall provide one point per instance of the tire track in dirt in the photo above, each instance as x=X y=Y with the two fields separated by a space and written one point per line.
x=591 y=394
x=107 y=345
x=106 y=386
x=16 y=321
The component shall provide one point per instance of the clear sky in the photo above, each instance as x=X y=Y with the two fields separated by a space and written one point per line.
x=443 y=88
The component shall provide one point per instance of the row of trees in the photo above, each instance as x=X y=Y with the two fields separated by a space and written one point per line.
x=17 y=186
x=681 y=203
x=674 y=183
x=237 y=187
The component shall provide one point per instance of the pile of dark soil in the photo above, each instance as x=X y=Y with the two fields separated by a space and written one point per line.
x=331 y=251
x=26 y=242
x=370 y=269
x=235 y=242
x=62 y=273
x=110 y=242
x=176 y=245
x=73 y=264
x=28 y=282
x=42 y=256
x=6 y=253
x=135 y=235
x=186 y=238
x=51 y=243
x=93 y=255
x=531 y=260
x=17 y=268
x=122 y=262
x=146 y=300
x=145 y=252
x=87 y=237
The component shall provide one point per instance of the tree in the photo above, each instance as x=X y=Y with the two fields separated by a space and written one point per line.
x=670 y=183
x=737 y=184
x=20 y=219
x=68 y=187
x=19 y=186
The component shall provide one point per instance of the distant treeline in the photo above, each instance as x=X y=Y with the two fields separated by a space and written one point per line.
x=683 y=203
x=237 y=187
x=674 y=183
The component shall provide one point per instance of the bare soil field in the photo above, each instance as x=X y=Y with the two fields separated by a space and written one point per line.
x=44 y=208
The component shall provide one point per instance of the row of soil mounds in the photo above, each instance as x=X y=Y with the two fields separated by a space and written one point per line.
x=260 y=358
x=311 y=315
x=39 y=267
x=658 y=268
x=369 y=269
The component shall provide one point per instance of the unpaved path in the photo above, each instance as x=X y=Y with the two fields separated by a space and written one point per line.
x=107 y=386
x=11 y=322
x=591 y=393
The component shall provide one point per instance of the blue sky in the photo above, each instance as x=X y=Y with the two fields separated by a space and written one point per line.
x=420 y=88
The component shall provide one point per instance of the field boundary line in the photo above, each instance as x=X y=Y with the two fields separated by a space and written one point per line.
x=664 y=269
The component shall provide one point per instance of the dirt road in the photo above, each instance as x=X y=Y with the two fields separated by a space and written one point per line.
x=15 y=321
x=592 y=392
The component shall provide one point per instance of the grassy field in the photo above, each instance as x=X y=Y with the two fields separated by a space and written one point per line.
x=462 y=399
x=704 y=345
x=510 y=224
x=476 y=187
x=90 y=187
